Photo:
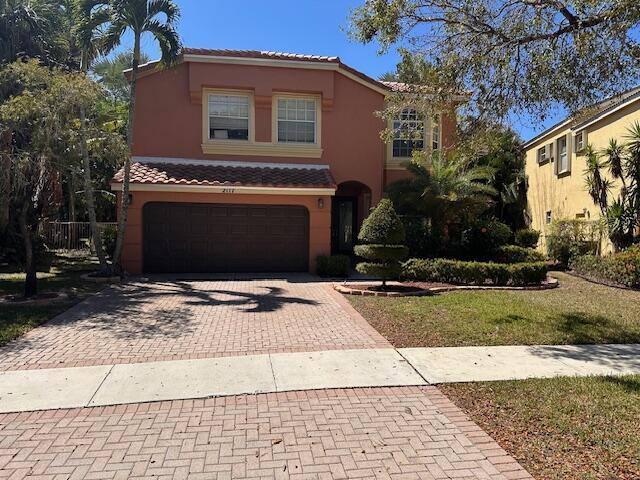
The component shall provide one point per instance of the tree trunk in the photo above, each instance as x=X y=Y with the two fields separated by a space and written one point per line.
x=88 y=185
x=124 y=198
x=72 y=196
x=31 y=281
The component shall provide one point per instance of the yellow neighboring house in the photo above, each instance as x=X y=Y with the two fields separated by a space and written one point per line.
x=555 y=162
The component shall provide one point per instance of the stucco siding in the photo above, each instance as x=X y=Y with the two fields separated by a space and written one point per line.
x=565 y=196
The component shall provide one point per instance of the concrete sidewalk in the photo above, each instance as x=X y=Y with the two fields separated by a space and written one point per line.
x=27 y=390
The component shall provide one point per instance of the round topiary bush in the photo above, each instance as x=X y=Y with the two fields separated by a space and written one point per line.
x=382 y=239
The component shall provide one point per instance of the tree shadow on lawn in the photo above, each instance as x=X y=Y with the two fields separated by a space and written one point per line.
x=573 y=328
x=581 y=327
x=628 y=384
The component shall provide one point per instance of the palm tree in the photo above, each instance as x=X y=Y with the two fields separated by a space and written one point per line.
x=109 y=73
x=86 y=21
x=446 y=188
x=138 y=17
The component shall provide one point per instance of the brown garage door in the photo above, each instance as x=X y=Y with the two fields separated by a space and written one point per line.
x=186 y=237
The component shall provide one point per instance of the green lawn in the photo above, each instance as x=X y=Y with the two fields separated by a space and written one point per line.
x=576 y=312
x=562 y=428
x=64 y=275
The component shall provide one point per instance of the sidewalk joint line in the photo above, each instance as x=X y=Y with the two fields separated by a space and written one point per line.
x=99 y=386
x=411 y=365
x=273 y=373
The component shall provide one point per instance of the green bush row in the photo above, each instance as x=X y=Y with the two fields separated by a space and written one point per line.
x=474 y=273
x=333 y=265
x=517 y=254
x=619 y=268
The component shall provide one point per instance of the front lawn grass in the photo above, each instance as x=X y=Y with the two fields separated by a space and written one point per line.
x=65 y=275
x=561 y=428
x=577 y=312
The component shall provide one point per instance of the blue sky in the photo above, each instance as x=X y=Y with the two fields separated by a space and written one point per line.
x=298 y=26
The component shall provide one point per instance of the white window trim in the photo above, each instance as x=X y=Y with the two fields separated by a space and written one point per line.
x=426 y=136
x=398 y=163
x=205 y=116
x=274 y=120
x=431 y=125
x=566 y=154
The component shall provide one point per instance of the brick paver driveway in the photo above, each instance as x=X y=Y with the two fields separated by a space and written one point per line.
x=174 y=319
x=398 y=433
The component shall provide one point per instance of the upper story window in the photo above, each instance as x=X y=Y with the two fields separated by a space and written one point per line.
x=563 y=154
x=580 y=141
x=228 y=117
x=297 y=120
x=408 y=133
x=542 y=154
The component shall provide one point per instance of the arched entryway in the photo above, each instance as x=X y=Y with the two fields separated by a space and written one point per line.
x=349 y=207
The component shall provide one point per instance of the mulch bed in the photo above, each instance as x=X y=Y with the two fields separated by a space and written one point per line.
x=41 y=298
x=419 y=289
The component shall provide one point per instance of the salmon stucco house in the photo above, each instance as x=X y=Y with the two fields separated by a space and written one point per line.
x=249 y=161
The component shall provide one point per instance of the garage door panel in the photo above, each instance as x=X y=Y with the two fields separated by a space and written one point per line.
x=225 y=238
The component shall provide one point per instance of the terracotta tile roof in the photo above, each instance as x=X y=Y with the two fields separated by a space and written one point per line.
x=258 y=54
x=222 y=175
x=398 y=86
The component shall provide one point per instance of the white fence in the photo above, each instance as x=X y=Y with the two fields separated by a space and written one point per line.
x=70 y=235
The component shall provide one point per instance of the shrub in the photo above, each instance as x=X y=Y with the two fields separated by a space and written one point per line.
x=527 y=237
x=333 y=265
x=517 y=254
x=382 y=236
x=109 y=234
x=571 y=238
x=483 y=239
x=474 y=273
x=421 y=240
x=618 y=268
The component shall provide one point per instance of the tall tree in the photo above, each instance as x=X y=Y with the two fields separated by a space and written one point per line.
x=86 y=22
x=38 y=107
x=155 y=17
x=520 y=55
x=37 y=29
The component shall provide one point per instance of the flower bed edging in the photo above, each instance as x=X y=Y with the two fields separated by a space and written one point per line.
x=549 y=284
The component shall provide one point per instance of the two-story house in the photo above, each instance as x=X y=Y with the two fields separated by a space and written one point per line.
x=249 y=161
x=555 y=162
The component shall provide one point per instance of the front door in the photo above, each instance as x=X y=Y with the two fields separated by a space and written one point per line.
x=343 y=228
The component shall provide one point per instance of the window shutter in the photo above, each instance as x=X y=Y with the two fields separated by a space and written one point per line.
x=549 y=151
x=556 y=163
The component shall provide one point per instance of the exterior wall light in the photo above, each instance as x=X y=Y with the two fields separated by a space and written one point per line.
x=321 y=203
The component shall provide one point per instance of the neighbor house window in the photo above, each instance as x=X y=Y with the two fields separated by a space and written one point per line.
x=297 y=118
x=563 y=154
x=408 y=133
x=228 y=117
x=435 y=132
x=548 y=217
x=580 y=141
x=542 y=154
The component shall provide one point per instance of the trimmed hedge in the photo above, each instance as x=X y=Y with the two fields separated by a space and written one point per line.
x=383 y=253
x=619 y=268
x=527 y=237
x=333 y=265
x=474 y=273
x=517 y=254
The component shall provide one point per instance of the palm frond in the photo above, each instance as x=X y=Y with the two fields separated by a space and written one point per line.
x=168 y=40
